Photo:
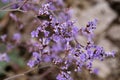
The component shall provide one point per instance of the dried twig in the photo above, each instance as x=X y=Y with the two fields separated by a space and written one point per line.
x=22 y=74
x=32 y=69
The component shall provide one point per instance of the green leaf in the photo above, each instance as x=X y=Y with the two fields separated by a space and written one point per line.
x=2 y=66
x=14 y=57
x=2 y=48
x=2 y=14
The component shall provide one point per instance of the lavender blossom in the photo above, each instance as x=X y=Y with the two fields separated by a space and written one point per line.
x=88 y=30
x=64 y=76
x=31 y=63
x=3 y=37
x=36 y=59
x=17 y=37
x=4 y=57
x=59 y=30
x=34 y=34
x=55 y=39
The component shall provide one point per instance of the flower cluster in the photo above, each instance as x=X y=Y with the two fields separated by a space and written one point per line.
x=55 y=40
x=58 y=44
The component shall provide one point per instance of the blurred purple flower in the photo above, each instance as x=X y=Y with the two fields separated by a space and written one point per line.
x=34 y=33
x=3 y=37
x=36 y=59
x=17 y=37
x=4 y=57
x=31 y=63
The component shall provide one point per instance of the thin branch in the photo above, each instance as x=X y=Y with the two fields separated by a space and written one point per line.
x=22 y=74
x=17 y=2
x=78 y=42
x=13 y=10
x=10 y=4
x=23 y=4
x=53 y=14
x=47 y=72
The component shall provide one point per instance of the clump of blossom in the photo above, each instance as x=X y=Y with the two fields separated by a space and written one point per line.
x=55 y=40
x=58 y=29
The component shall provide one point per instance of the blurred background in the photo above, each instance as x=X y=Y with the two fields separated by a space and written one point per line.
x=107 y=35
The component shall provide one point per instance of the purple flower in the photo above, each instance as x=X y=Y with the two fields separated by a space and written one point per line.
x=92 y=24
x=46 y=33
x=56 y=38
x=88 y=30
x=44 y=9
x=64 y=76
x=89 y=64
x=83 y=57
x=17 y=36
x=4 y=57
x=36 y=59
x=34 y=33
x=96 y=70
x=36 y=55
x=75 y=31
x=112 y=53
x=31 y=63
x=14 y=17
x=58 y=43
x=3 y=37
x=47 y=58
